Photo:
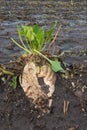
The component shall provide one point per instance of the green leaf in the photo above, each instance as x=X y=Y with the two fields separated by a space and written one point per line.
x=36 y=28
x=28 y=33
x=50 y=32
x=56 y=66
x=49 y=35
x=33 y=37
x=3 y=79
x=20 y=33
x=40 y=38
x=14 y=82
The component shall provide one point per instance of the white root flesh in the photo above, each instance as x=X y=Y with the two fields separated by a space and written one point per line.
x=30 y=83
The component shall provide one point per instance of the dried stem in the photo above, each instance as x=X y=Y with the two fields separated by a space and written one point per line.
x=55 y=37
x=65 y=107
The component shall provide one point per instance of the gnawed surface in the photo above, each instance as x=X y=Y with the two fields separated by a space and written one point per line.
x=30 y=82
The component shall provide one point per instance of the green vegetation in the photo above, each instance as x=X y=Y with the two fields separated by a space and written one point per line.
x=34 y=40
x=6 y=71
x=13 y=82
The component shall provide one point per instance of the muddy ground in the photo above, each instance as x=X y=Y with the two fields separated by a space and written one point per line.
x=16 y=111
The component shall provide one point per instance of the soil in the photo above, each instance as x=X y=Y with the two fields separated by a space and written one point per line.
x=16 y=111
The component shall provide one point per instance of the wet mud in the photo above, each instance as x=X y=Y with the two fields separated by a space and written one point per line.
x=16 y=111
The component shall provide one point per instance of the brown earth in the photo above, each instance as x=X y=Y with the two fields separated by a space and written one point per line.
x=16 y=111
